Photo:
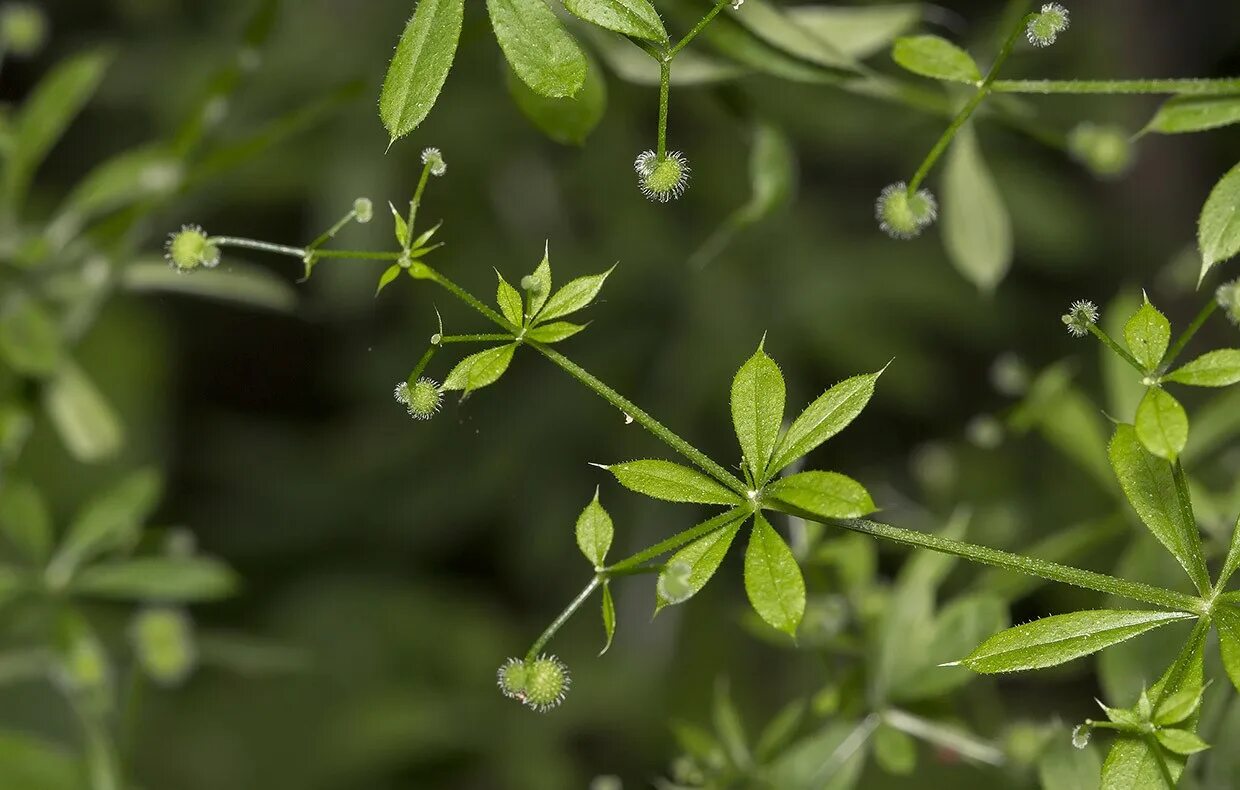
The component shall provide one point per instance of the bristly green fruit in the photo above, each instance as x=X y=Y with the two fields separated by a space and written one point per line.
x=540 y=684
x=1080 y=317
x=1046 y=25
x=902 y=215
x=421 y=399
x=1228 y=298
x=662 y=178
x=189 y=248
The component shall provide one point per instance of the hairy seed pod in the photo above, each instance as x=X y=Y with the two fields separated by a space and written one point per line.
x=432 y=158
x=1046 y=25
x=1080 y=316
x=511 y=677
x=1228 y=298
x=546 y=683
x=189 y=248
x=421 y=399
x=662 y=178
x=902 y=215
x=363 y=210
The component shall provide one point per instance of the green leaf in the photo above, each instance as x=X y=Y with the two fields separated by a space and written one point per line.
x=1148 y=483
x=45 y=116
x=594 y=532
x=1055 y=640
x=628 y=62
x=609 y=617
x=164 y=579
x=1219 y=368
x=420 y=66
x=537 y=46
x=757 y=411
x=567 y=120
x=1181 y=741
x=824 y=418
x=1227 y=622
x=140 y=173
x=1177 y=707
x=635 y=18
x=1162 y=424
x=729 y=726
x=770 y=24
x=85 y=420
x=481 y=369
x=572 y=297
x=388 y=277
x=400 y=227
x=1134 y=763
x=773 y=579
x=780 y=729
x=1218 y=229
x=672 y=482
x=110 y=522
x=1068 y=420
x=1181 y=114
x=857 y=31
x=959 y=627
x=24 y=519
x=509 y=301
x=977 y=231
x=1064 y=767
x=12 y=583
x=538 y=284
x=31 y=763
x=895 y=751
x=937 y=58
x=826 y=494
x=555 y=332
x=1233 y=558
x=1147 y=333
x=29 y=338
x=238 y=283
x=688 y=570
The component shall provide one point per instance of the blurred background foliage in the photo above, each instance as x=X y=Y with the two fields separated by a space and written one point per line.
x=389 y=567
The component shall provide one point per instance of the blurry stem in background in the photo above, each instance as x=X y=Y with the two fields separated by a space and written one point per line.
x=1173 y=352
x=983 y=91
x=962 y=743
x=1225 y=86
x=1110 y=343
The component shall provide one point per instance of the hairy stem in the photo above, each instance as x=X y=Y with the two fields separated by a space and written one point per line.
x=1182 y=87
x=262 y=246
x=665 y=85
x=698 y=28
x=495 y=338
x=563 y=618
x=1188 y=334
x=1110 y=343
x=331 y=232
x=720 y=521
x=982 y=92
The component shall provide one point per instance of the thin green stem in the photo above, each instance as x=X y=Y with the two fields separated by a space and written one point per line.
x=628 y=564
x=331 y=232
x=475 y=338
x=1226 y=86
x=652 y=425
x=563 y=618
x=1123 y=354
x=665 y=82
x=698 y=28
x=422 y=363
x=261 y=246
x=358 y=255
x=965 y=112
x=1030 y=566
x=1187 y=335
x=963 y=743
x=423 y=272
x=417 y=197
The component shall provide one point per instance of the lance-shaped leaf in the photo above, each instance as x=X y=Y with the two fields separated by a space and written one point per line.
x=567 y=120
x=857 y=31
x=977 y=230
x=110 y=522
x=1054 y=640
x=165 y=579
x=87 y=423
x=554 y=332
x=672 y=482
x=538 y=284
x=25 y=521
x=757 y=410
x=1227 y=621
x=609 y=617
x=481 y=369
x=1219 y=368
x=539 y=49
x=509 y=301
x=1150 y=487
x=635 y=18
x=826 y=494
x=1233 y=558
x=30 y=341
x=688 y=570
x=573 y=296
x=1218 y=229
x=934 y=57
x=1182 y=114
x=1135 y=762
x=594 y=532
x=1180 y=741
x=1162 y=424
x=1147 y=333
x=770 y=23
x=421 y=64
x=773 y=579
x=824 y=418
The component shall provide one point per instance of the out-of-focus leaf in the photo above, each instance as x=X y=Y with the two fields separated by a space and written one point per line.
x=29 y=338
x=895 y=751
x=161 y=579
x=31 y=763
x=421 y=64
x=769 y=23
x=780 y=729
x=977 y=231
x=539 y=49
x=112 y=521
x=631 y=64
x=1181 y=114
x=830 y=759
x=566 y=120
x=1218 y=229
x=958 y=628
x=85 y=420
x=145 y=172
x=24 y=519
x=1068 y=421
x=935 y=57
x=728 y=725
x=1064 y=767
x=856 y=31
x=239 y=283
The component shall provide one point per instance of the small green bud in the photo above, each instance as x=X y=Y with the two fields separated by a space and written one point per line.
x=1105 y=150
x=433 y=159
x=1080 y=735
x=163 y=641
x=1079 y=317
x=1046 y=25
x=363 y=210
x=189 y=248
x=421 y=399
x=1228 y=298
x=541 y=684
x=662 y=178
x=904 y=216
x=23 y=28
